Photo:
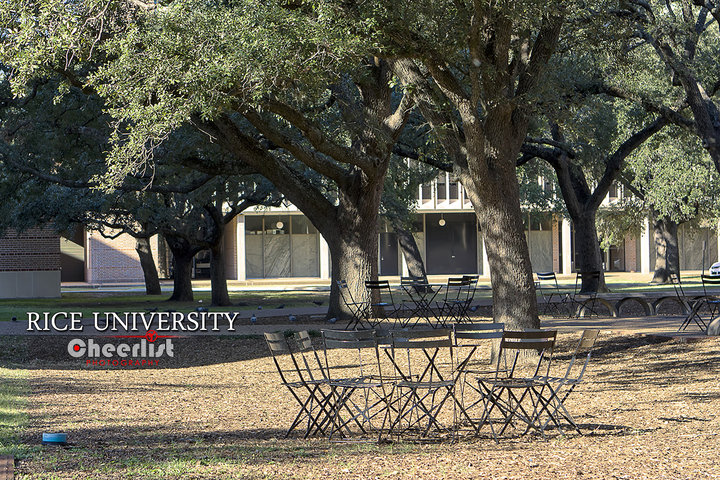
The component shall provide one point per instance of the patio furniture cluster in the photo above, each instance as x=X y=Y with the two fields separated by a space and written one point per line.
x=411 y=303
x=428 y=383
x=697 y=310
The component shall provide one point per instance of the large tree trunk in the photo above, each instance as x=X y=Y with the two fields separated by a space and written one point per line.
x=218 y=282
x=667 y=259
x=182 y=273
x=410 y=251
x=150 y=273
x=513 y=288
x=353 y=260
x=353 y=244
x=491 y=182
x=588 y=253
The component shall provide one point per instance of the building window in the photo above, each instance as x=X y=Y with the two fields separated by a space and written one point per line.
x=441 y=192
x=281 y=246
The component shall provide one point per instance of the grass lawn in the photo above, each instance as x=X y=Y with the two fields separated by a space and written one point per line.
x=88 y=302
x=137 y=302
x=648 y=409
x=14 y=394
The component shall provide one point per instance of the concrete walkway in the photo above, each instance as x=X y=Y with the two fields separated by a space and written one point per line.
x=655 y=325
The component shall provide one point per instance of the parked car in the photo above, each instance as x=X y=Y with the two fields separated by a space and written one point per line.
x=715 y=268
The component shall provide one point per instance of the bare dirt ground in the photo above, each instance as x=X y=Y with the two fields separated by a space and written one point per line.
x=648 y=409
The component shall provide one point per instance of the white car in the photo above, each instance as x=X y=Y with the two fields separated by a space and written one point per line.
x=715 y=269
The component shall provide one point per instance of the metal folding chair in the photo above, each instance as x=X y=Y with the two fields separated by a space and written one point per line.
x=583 y=302
x=358 y=309
x=680 y=292
x=707 y=306
x=554 y=300
x=424 y=361
x=517 y=390
x=413 y=309
x=310 y=393
x=455 y=304
x=381 y=301
x=474 y=345
x=361 y=395
x=561 y=387
x=472 y=289
x=421 y=297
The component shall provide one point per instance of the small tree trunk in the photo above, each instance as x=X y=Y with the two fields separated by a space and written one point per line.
x=163 y=261
x=410 y=251
x=667 y=259
x=150 y=273
x=218 y=282
x=182 y=274
x=588 y=251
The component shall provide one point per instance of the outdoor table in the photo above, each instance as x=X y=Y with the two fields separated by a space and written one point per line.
x=423 y=295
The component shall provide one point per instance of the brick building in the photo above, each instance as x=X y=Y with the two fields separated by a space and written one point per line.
x=30 y=264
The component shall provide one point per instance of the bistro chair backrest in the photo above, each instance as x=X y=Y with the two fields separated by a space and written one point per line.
x=411 y=280
x=457 y=288
x=287 y=365
x=309 y=355
x=423 y=355
x=382 y=287
x=466 y=334
x=584 y=348
x=377 y=284
x=677 y=284
x=345 y=292
x=549 y=277
x=515 y=347
x=341 y=364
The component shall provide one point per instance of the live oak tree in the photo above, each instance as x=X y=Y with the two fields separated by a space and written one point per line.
x=288 y=89
x=474 y=69
x=588 y=130
x=52 y=143
x=673 y=180
x=586 y=168
x=684 y=35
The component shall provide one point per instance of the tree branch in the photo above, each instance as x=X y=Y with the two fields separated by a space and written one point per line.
x=615 y=161
x=317 y=137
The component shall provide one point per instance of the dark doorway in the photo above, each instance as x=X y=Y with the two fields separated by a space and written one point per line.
x=72 y=256
x=452 y=247
x=389 y=254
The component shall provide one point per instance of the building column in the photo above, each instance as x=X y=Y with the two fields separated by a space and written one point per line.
x=566 y=247
x=89 y=278
x=645 y=247
x=324 y=259
x=240 y=247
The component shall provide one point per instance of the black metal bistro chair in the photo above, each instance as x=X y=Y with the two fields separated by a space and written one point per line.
x=706 y=307
x=554 y=300
x=309 y=389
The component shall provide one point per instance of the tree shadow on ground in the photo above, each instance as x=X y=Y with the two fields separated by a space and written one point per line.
x=44 y=352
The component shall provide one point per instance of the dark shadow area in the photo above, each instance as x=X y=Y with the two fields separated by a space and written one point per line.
x=45 y=352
